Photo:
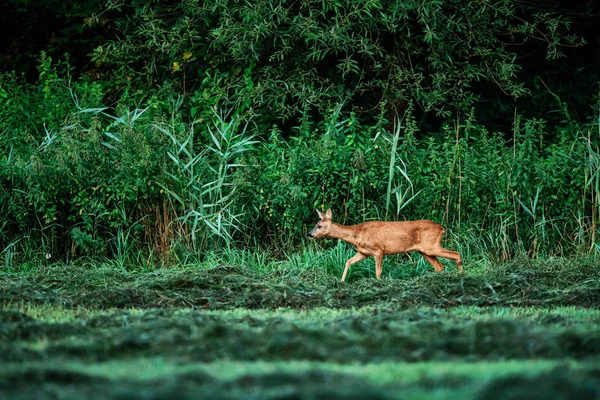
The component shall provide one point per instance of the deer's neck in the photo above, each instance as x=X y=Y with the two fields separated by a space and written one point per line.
x=346 y=233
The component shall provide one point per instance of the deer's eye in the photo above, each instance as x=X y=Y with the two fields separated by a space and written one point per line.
x=318 y=226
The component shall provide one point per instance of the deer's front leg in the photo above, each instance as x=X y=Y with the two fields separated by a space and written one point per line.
x=358 y=257
x=378 y=264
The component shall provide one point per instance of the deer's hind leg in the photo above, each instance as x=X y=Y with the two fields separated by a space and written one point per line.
x=431 y=248
x=444 y=253
x=452 y=255
x=434 y=261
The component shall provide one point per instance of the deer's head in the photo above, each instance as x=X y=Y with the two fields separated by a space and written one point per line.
x=323 y=227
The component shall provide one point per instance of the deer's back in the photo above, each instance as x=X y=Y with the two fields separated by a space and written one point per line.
x=396 y=237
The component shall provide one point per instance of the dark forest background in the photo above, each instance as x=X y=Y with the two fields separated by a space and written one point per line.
x=156 y=129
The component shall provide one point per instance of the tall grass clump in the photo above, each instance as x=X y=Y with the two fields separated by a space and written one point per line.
x=203 y=186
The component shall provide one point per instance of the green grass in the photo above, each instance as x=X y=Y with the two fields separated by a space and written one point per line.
x=423 y=352
x=374 y=335
x=440 y=380
x=551 y=282
x=524 y=329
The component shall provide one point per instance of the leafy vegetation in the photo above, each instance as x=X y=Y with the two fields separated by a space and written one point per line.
x=193 y=127
x=160 y=163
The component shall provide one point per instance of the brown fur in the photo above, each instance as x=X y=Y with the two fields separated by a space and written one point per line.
x=380 y=238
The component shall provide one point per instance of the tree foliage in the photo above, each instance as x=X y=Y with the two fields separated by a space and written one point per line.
x=190 y=125
x=282 y=58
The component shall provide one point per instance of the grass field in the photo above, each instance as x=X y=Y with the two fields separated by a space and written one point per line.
x=528 y=329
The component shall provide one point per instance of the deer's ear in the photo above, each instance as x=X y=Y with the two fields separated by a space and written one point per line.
x=321 y=215
x=328 y=214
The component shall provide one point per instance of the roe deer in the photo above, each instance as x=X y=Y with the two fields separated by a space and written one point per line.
x=380 y=238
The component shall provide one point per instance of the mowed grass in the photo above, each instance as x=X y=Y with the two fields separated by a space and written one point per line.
x=232 y=332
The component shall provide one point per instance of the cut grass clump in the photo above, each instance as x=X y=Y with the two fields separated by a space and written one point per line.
x=378 y=336
x=556 y=283
x=229 y=332
x=558 y=384
x=311 y=381
x=314 y=384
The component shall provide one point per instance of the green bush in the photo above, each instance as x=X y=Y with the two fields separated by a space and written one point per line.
x=73 y=173
x=513 y=196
